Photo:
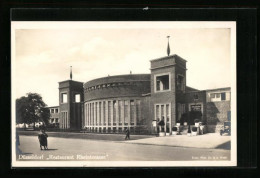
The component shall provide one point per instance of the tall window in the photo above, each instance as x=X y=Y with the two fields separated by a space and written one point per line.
x=162 y=83
x=120 y=111
x=126 y=113
x=77 y=98
x=132 y=111
x=109 y=112
x=114 y=111
x=138 y=111
x=64 y=98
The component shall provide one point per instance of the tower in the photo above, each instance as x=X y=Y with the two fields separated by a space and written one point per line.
x=70 y=102
x=168 y=83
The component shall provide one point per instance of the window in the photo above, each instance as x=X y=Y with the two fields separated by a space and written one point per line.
x=56 y=120
x=217 y=97
x=132 y=111
x=56 y=110
x=52 y=110
x=114 y=111
x=126 y=112
x=223 y=96
x=196 y=96
x=162 y=83
x=109 y=112
x=64 y=98
x=77 y=98
x=138 y=111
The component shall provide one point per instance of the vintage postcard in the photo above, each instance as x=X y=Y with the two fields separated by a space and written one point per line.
x=123 y=93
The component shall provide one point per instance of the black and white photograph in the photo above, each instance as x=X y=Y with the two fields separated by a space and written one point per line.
x=123 y=93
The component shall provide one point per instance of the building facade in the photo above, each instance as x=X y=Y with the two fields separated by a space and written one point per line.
x=54 y=116
x=141 y=101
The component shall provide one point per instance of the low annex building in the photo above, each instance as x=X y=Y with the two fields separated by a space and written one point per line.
x=140 y=101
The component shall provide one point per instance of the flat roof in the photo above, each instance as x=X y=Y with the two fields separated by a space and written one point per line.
x=170 y=56
x=224 y=88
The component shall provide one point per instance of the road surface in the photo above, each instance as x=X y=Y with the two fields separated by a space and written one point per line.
x=87 y=150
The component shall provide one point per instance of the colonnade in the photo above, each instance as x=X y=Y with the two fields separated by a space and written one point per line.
x=111 y=115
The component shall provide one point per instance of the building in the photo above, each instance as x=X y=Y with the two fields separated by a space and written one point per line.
x=54 y=116
x=141 y=101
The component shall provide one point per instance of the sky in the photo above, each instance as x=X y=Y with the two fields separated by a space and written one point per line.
x=42 y=55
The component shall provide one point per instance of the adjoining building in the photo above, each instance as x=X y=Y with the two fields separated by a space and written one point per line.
x=54 y=116
x=140 y=101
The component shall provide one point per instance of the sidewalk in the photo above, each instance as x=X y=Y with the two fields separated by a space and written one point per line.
x=210 y=140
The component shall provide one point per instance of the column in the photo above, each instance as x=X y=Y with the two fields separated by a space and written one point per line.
x=129 y=113
x=65 y=121
x=170 y=118
x=135 y=113
x=85 y=116
x=165 y=118
x=102 y=116
x=98 y=116
x=95 y=115
x=88 y=115
x=112 y=114
x=123 y=114
x=160 y=107
x=68 y=120
x=91 y=116
x=106 y=116
x=117 y=115
x=61 y=120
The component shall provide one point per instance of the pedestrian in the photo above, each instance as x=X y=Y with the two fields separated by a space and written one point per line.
x=17 y=139
x=18 y=151
x=42 y=136
x=127 y=134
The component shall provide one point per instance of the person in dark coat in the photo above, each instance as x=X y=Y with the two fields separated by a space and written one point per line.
x=42 y=136
x=18 y=151
x=127 y=134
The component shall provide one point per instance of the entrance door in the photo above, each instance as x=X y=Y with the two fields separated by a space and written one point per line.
x=162 y=113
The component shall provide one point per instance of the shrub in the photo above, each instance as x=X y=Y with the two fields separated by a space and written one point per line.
x=174 y=129
x=194 y=129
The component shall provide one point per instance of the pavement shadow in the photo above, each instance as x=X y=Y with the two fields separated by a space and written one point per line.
x=50 y=150
x=225 y=146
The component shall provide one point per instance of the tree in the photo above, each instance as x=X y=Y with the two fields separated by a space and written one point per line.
x=45 y=115
x=21 y=110
x=31 y=109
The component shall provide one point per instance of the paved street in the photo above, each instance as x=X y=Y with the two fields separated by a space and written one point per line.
x=86 y=150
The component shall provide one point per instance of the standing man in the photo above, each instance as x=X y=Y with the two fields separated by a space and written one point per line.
x=127 y=134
